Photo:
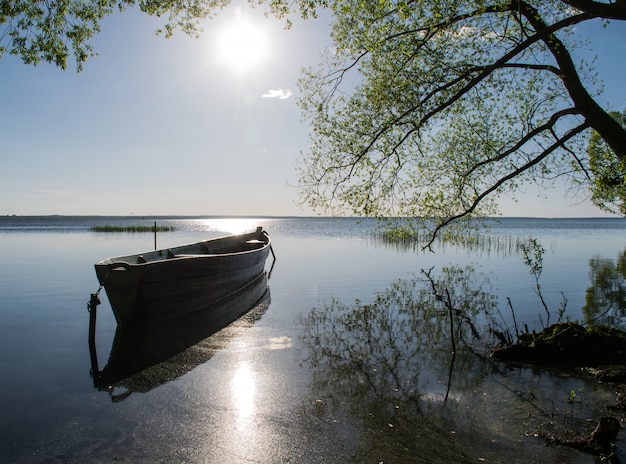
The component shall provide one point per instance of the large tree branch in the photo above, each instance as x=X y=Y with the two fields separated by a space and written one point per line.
x=608 y=128
x=613 y=10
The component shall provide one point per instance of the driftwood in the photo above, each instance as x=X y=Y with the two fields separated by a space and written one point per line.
x=599 y=352
x=567 y=344
x=601 y=442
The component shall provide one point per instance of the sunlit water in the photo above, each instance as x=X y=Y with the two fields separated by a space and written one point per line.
x=344 y=361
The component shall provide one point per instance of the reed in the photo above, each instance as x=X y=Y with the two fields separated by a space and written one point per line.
x=135 y=228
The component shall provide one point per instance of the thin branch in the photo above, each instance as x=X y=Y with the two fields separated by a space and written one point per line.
x=554 y=119
x=483 y=73
x=560 y=143
x=535 y=67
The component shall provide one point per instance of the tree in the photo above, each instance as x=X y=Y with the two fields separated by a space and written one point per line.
x=455 y=102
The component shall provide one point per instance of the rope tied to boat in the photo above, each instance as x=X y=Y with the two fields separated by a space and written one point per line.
x=95 y=300
x=93 y=303
x=92 y=306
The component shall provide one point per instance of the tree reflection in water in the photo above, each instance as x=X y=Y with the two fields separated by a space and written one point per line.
x=382 y=372
x=605 y=299
x=387 y=363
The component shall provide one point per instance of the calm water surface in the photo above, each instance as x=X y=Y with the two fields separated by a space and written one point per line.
x=346 y=360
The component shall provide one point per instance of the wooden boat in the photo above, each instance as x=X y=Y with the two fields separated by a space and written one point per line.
x=164 y=284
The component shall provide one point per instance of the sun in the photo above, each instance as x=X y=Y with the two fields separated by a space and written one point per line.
x=241 y=44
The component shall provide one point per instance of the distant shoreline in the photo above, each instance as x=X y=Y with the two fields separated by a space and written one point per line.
x=238 y=216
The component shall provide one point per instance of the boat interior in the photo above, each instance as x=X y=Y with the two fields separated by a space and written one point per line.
x=222 y=246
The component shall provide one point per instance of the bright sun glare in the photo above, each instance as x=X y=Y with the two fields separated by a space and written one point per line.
x=242 y=44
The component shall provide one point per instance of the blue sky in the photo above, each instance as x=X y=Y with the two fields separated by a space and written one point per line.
x=170 y=127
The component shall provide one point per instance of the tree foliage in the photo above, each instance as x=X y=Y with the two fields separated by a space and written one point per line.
x=52 y=30
x=432 y=109
x=609 y=172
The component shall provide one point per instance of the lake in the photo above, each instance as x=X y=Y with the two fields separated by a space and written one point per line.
x=347 y=358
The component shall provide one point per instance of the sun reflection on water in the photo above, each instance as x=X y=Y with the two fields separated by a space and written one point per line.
x=232 y=225
x=243 y=389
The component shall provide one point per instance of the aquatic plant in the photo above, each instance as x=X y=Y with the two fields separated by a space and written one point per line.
x=134 y=228
x=408 y=235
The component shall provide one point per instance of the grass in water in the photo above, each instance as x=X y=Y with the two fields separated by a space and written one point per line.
x=137 y=228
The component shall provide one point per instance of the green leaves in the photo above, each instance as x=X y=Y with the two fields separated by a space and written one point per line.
x=53 y=31
x=50 y=31
x=609 y=172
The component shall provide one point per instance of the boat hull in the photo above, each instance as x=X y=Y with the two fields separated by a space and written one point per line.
x=143 y=358
x=156 y=286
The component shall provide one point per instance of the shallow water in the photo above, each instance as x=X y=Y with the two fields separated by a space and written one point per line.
x=345 y=360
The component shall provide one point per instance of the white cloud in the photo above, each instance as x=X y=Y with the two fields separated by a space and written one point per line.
x=281 y=94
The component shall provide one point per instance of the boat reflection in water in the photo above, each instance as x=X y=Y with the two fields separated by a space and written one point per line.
x=144 y=358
